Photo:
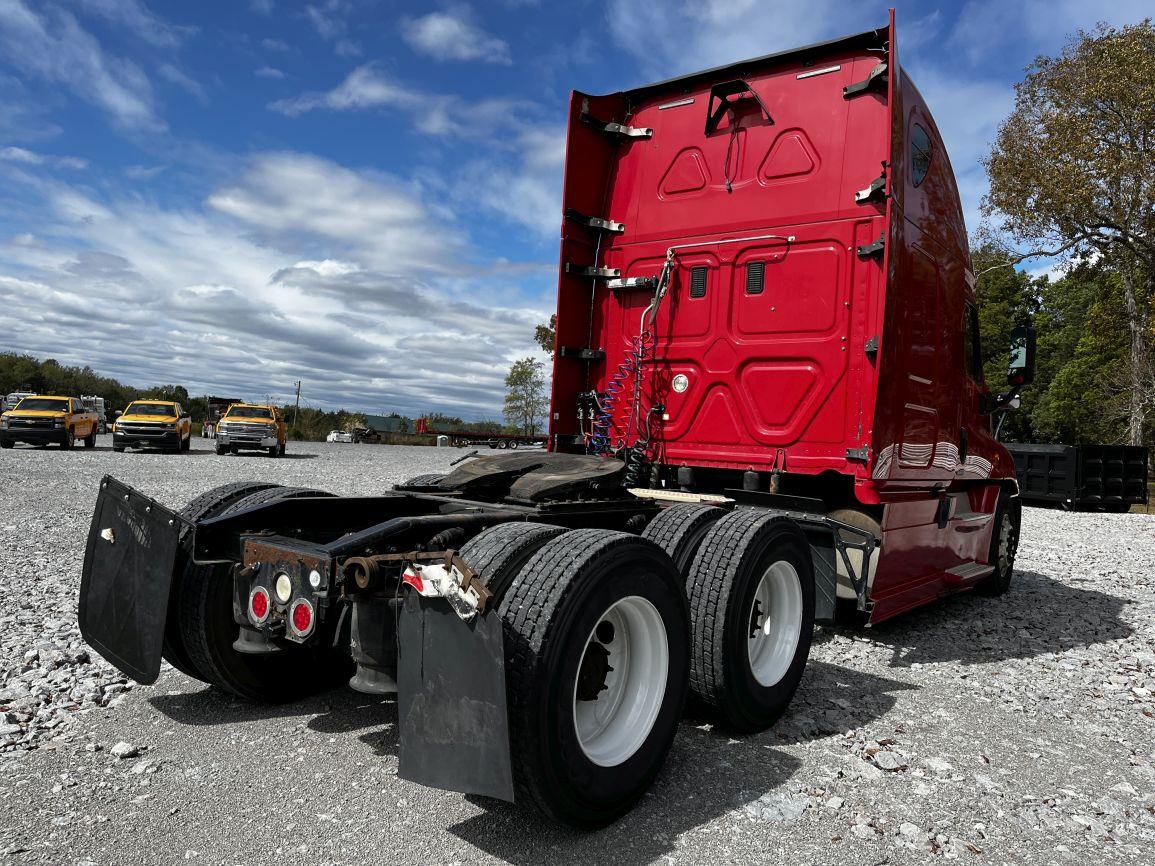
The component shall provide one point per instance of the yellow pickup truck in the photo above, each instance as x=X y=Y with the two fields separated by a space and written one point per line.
x=249 y=427
x=152 y=424
x=41 y=420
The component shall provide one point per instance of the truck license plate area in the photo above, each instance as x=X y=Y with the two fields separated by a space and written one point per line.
x=124 y=588
x=454 y=731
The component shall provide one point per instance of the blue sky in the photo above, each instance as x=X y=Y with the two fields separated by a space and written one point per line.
x=363 y=194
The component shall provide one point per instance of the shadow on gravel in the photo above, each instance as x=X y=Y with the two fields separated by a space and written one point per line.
x=336 y=711
x=709 y=773
x=1039 y=615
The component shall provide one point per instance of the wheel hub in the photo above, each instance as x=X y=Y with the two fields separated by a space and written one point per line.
x=594 y=670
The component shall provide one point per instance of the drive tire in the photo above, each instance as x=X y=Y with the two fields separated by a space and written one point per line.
x=741 y=552
x=498 y=554
x=69 y=439
x=90 y=439
x=208 y=504
x=207 y=631
x=1008 y=520
x=552 y=609
x=428 y=480
x=679 y=531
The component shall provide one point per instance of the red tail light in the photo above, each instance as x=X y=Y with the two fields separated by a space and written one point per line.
x=301 y=618
x=259 y=605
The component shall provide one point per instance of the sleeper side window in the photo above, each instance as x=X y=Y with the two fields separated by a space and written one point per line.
x=920 y=153
x=973 y=344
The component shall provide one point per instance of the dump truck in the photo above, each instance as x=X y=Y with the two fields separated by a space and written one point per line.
x=1084 y=477
x=768 y=411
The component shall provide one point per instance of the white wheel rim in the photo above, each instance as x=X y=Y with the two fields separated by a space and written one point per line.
x=774 y=623
x=612 y=727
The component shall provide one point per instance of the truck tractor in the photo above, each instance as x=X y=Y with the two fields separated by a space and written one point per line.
x=768 y=411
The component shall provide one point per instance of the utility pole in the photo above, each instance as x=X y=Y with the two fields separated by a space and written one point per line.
x=297 y=409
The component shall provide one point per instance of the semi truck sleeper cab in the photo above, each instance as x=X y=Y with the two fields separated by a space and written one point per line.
x=767 y=411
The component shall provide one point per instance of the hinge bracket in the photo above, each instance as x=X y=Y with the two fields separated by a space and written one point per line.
x=861 y=455
x=594 y=222
x=632 y=283
x=874 y=250
x=612 y=128
x=877 y=188
x=876 y=78
x=582 y=354
x=592 y=271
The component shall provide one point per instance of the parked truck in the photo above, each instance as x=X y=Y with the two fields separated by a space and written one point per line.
x=96 y=404
x=768 y=410
x=45 y=420
x=153 y=424
x=251 y=427
x=1082 y=477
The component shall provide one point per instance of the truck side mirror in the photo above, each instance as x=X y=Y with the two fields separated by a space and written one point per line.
x=1022 y=367
x=117 y=413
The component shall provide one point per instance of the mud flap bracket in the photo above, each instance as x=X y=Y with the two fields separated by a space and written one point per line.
x=451 y=706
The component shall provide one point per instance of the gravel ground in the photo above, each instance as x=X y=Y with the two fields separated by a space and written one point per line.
x=1013 y=730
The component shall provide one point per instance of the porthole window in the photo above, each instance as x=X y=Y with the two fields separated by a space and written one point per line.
x=920 y=153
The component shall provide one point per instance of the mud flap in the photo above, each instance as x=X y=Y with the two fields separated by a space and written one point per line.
x=453 y=727
x=124 y=588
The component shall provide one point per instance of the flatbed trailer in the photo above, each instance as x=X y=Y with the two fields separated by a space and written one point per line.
x=767 y=411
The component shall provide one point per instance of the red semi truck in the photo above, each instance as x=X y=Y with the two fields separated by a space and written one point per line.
x=768 y=411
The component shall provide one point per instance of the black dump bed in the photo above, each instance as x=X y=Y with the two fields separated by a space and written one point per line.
x=1088 y=477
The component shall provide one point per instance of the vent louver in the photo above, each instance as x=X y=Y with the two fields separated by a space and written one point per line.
x=698 y=282
x=755 y=278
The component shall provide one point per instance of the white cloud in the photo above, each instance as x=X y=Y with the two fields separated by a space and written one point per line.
x=329 y=20
x=370 y=320
x=262 y=7
x=29 y=157
x=525 y=185
x=183 y=80
x=453 y=34
x=992 y=28
x=268 y=72
x=54 y=47
x=134 y=16
x=366 y=87
x=669 y=37
x=274 y=44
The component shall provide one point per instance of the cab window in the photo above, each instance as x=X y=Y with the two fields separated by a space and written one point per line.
x=972 y=347
x=920 y=153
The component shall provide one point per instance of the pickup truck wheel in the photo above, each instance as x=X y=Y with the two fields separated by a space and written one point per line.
x=274 y=451
x=208 y=630
x=90 y=439
x=119 y=449
x=751 y=591
x=221 y=450
x=498 y=553
x=186 y=442
x=1004 y=546
x=69 y=439
x=596 y=659
x=6 y=443
x=679 y=531
x=281 y=449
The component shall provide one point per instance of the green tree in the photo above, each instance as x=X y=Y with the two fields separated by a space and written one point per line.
x=545 y=335
x=1072 y=170
x=526 y=400
x=1006 y=298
